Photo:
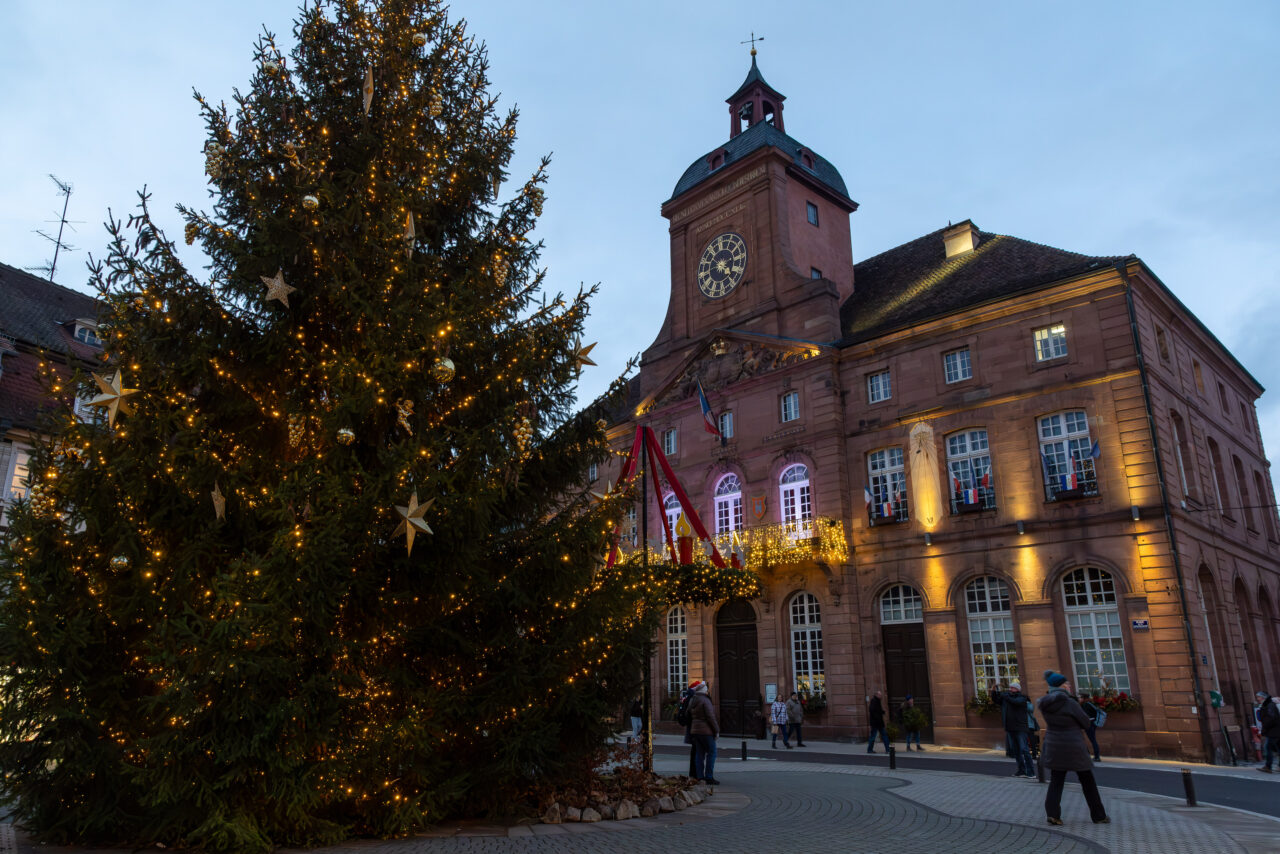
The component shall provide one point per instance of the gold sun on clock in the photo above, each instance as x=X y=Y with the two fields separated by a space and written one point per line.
x=722 y=264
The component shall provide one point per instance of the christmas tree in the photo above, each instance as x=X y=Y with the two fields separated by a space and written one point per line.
x=327 y=564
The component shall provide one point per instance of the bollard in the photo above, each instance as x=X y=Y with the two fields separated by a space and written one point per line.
x=1189 y=785
x=893 y=758
x=744 y=750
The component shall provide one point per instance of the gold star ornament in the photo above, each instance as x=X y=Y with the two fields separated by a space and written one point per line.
x=276 y=288
x=581 y=355
x=411 y=521
x=219 y=502
x=113 y=396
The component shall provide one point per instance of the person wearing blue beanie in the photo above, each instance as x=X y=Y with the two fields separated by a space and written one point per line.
x=1064 y=749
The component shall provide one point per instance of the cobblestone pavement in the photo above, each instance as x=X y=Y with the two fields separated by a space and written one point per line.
x=767 y=805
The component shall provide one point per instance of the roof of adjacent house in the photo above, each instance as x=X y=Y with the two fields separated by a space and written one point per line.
x=761 y=135
x=33 y=312
x=915 y=282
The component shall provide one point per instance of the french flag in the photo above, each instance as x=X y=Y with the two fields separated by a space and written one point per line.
x=886 y=510
x=971 y=496
x=986 y=480
x=866 y=493
x=1067 y=481
x=708 y=417
x=957 y=486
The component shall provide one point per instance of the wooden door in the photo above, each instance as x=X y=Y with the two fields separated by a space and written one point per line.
x=738 y=666
x=906 y=669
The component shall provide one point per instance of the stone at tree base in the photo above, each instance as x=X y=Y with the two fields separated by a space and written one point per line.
x=678 y=802
x=664 y=804
x=552 y=815
x=588 y=814
x=694 y=796
x=572 y=814
x=608 y=811
x=650 y=808
x=627 y=809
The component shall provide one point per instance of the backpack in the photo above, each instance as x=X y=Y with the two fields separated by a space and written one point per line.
x=682 y=714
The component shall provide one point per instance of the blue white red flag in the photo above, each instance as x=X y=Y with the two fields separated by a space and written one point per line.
x=866 y=493
x=1096 y=451
x=886 y=510
x=708 y=417
x=971 y=496
x=1067 y=481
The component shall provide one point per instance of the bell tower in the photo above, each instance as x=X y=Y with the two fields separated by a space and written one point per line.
x=760 y=238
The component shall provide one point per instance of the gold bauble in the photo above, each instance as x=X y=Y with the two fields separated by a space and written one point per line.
x=419 y=39
x=346 y=436
x=120 y=562
x=442 y=371
x=271 y=66
x=310 y=202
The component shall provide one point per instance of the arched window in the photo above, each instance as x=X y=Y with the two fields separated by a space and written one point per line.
x=888 y=483
x=1246 y=500
x=1093 y=625
x=1183 y=456
x=728 y=504
x=630 y=530
x=671 y=506
x=797 y=508
x=901 y=604
x=1067 y=455
x=677 y=651
x=991 y=641
x=806 y=645
x=969 y=463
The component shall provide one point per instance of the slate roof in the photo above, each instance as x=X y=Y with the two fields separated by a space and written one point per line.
x=752 y=139
x=915 y=282
x=754 y=76
x=32 y=311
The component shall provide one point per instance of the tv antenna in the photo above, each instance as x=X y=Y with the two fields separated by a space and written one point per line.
x=64 y=189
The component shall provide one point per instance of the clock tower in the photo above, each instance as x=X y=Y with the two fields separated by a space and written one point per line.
x=759 y=237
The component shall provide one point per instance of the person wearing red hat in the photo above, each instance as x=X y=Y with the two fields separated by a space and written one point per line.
x=704 y=729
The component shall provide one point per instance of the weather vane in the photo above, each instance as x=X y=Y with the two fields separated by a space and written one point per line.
x=754 y=38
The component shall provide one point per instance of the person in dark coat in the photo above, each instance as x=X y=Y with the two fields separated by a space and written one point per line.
x=875 y=717
x=1064 y=749
x=795 y=718
x=1015 y=709
x=704 y=730
x=1268 y=728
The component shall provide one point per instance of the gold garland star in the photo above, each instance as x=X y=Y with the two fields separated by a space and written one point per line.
x=581 y=357
x=411 y=521
x=219 y=502
x=602 y=497
x=276 y=288
x=113 y=396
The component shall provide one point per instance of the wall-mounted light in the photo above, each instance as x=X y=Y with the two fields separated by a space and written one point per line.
x=1133 y=511
x=1022 y=528
x=928 y=538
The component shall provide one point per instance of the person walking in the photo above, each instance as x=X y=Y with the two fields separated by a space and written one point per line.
x=637 y=719
x=795 y=718
x=1268 y=728
x=875 y=717
x=704 y=728
x=1091 y=711
x=1015 y=709
x=778 y=719
x=1064 y=750
x=906 y=712
x=686 y=720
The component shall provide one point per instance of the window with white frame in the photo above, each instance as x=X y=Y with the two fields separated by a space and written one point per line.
x=806 y=645
x=88 y=335
x=725 y=423
x=888 y=485
x=991 y=641
x=593 y=472
x=791 y=406
x=795 y=501
x=630 y=530
x=969 y=464
x=1051 y=342
x=677 y=651
x=16 y=472
x=955 y=365
x=1067 y=455
x=669 y=443
x=1093 y=626
x=878 y=387
x=671 y=506
x=728 y=504
x=901 y=603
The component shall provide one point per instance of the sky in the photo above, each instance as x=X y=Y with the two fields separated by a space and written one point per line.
x=1105 y=128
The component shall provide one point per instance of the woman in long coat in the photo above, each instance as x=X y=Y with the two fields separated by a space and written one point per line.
x=1064 y=749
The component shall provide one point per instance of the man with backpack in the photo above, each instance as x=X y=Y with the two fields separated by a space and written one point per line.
x=686 y=720
x=1015 y=711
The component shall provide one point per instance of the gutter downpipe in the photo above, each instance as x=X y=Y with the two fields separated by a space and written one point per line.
x=1201 y=712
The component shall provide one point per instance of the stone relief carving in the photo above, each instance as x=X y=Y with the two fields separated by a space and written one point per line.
x=728 y=363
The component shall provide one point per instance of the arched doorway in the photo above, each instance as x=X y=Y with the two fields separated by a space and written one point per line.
x=738 y=667
x=906 y=664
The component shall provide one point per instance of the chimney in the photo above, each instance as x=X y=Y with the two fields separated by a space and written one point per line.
x=960 y=238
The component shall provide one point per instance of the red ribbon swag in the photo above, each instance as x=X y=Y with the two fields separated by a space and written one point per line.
x=645 y=441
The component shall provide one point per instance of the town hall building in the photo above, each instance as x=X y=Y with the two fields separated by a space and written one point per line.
x=955 y=464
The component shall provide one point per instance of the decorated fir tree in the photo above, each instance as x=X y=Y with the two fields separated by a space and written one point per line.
x=327 y=565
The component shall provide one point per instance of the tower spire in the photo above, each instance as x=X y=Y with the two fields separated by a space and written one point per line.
x=755 y=101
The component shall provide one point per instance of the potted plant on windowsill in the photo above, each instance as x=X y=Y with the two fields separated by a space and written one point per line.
x=813 y=700
x=982 y=703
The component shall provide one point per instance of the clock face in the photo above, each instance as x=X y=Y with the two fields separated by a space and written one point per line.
x=722 y=264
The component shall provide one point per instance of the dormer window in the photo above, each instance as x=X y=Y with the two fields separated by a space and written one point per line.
x=87 y=334
x=716 y=159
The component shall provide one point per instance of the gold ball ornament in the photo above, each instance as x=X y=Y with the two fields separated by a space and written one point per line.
x=311 y=203
x=271 y=66
x=419 y=39
x=120 y=562
x=346 y=436
x=296 y=430
x=443 y=370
